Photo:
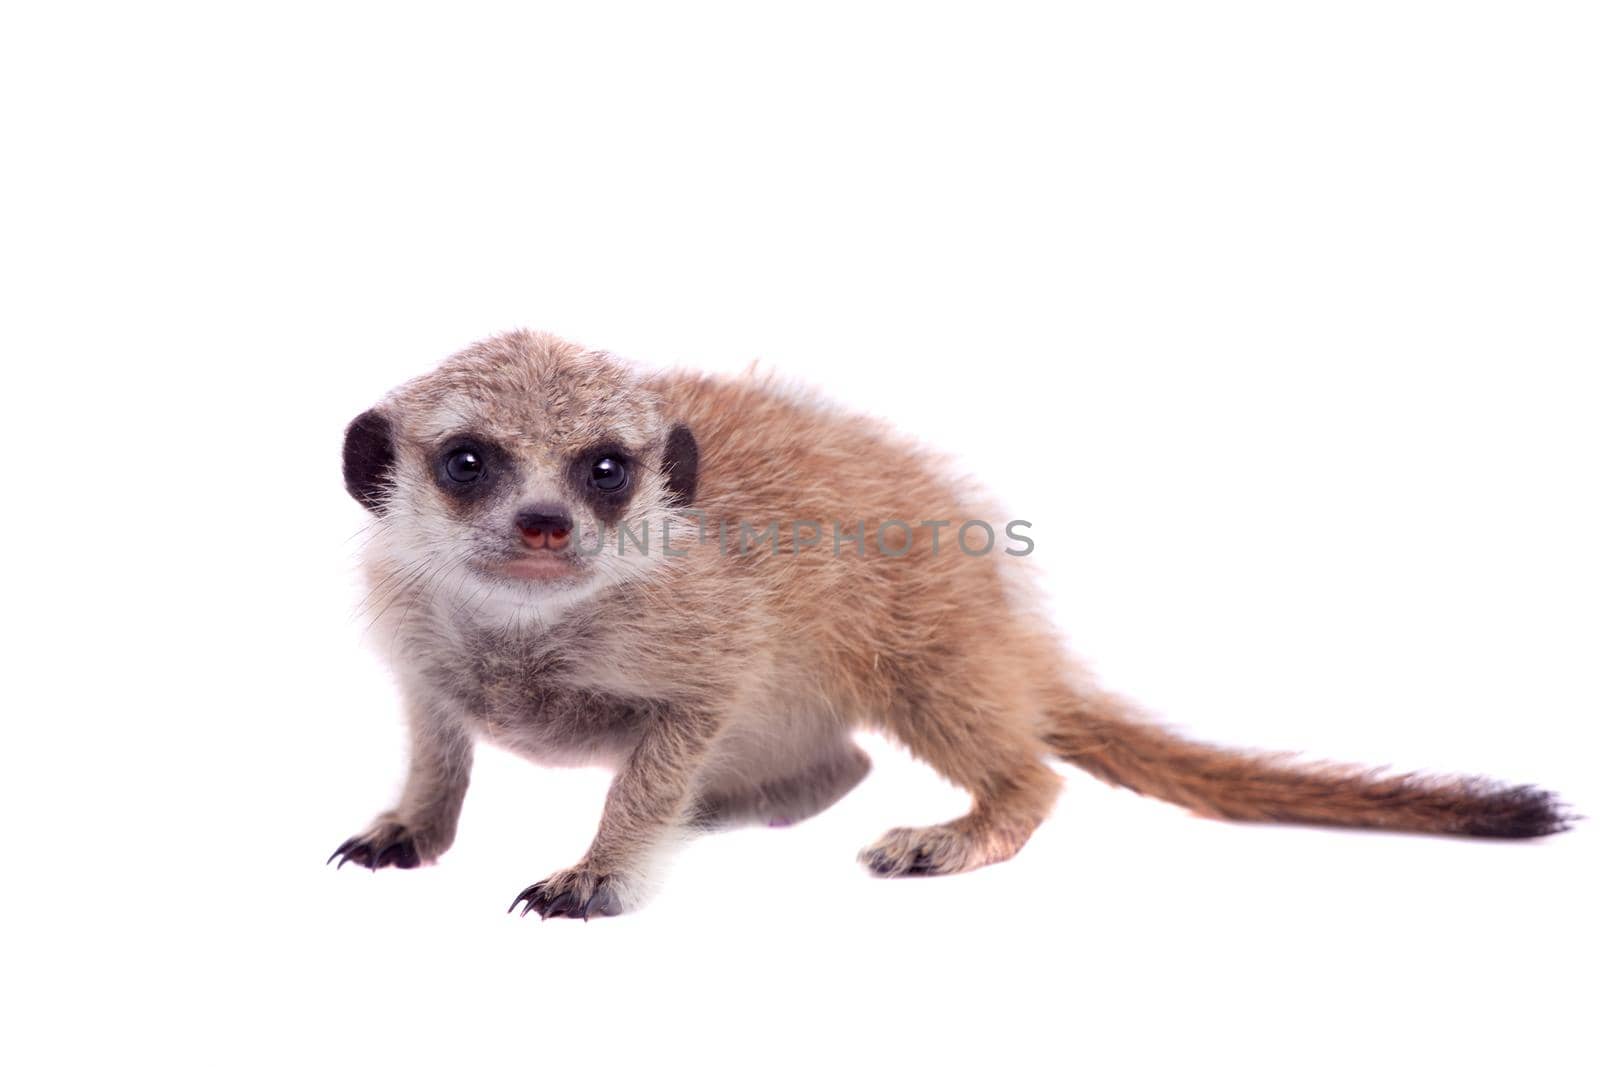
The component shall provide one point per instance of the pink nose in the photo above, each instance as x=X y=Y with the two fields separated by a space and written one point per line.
x=545 y=528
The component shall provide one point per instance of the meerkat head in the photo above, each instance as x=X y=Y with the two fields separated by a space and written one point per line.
x=508 y=473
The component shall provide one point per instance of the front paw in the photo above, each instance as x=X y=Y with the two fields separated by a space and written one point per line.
x=386 y=843
x=575 y=893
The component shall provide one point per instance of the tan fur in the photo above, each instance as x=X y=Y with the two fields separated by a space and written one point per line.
x=724 y=686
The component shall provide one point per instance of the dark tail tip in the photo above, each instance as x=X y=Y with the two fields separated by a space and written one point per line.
x=1519 y=811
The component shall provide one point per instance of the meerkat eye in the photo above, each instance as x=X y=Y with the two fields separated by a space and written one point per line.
x=609 y=474
x=464 y=465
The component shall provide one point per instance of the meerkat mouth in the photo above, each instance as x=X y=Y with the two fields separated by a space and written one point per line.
x=542 y=566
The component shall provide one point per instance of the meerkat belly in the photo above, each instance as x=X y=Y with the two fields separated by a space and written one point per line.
x=538 y=708
x=557 y=726
x=773 y=742
x=527 y=693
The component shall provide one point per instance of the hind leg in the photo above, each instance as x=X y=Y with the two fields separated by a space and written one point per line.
x=785 y=799
x=987 y=745
x=1002 y=818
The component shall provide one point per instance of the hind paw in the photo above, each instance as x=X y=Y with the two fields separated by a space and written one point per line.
x=921 y=851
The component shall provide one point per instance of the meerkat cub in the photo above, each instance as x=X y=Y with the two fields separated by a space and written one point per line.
x=706 y=585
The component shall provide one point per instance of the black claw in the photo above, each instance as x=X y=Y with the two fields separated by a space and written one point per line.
x=363 y=850
x=348 y=844
x=527 y=898
x=573 y=903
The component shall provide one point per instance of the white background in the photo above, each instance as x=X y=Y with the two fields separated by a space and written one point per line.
x=1278 y=320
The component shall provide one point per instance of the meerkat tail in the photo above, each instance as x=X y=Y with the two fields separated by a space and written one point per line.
x=1115 y=744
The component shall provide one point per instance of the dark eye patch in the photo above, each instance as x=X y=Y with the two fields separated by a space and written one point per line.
x=605 y=477
x=468 y=468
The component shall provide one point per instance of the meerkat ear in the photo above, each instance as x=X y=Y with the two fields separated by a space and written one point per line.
x=681 y=463
x=368 y=458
